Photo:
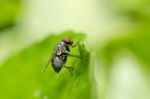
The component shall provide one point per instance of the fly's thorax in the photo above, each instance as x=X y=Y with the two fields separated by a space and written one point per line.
x=61 y=49
x=59 y=45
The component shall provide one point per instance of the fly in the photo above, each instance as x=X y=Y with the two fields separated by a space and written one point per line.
x=60 y=55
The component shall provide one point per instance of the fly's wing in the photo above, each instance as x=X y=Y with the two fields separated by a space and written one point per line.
x=45 y=67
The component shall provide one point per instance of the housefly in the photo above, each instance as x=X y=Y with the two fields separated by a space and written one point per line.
x=60 y=55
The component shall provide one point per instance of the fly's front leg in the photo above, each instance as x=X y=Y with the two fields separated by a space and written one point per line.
x=72 y=55
x=75 y=44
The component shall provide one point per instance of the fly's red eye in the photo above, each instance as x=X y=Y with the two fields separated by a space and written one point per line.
x=68 y=41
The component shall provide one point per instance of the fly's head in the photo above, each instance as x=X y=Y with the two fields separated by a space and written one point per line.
x=68 y=41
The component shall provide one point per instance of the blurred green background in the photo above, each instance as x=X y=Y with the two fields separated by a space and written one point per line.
x=117 y=36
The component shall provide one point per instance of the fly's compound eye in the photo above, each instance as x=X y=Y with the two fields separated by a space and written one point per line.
x=68 y=41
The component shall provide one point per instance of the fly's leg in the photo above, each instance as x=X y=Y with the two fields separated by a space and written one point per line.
x=72 y=55
x=75 y=44
x=70 y=69
x=66 y=53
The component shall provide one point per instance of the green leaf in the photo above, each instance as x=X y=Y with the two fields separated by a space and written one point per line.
x=21 y=76
x=9 y=11
x=135 y=43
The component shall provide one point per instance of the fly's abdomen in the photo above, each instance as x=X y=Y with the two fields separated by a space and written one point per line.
x=58 y=62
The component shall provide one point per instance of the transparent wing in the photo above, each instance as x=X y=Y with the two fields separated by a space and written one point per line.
x=45 y=67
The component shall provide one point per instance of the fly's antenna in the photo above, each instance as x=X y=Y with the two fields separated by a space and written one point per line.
x=45 y=67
